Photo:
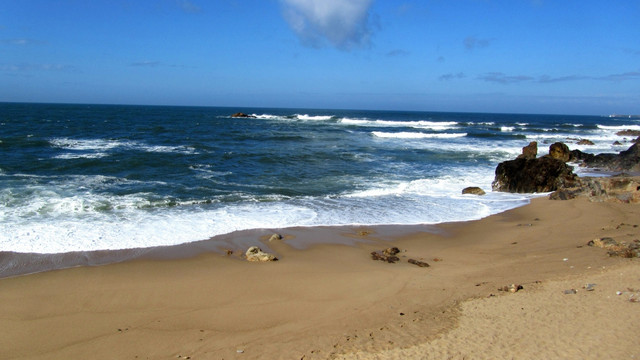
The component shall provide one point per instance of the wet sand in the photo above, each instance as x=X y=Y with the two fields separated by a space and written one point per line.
x=332 y=301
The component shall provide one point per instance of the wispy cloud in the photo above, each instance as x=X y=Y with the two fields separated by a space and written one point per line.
x=146 y=63
x=26 y=67
x=188 y=6
x=397 y=52
x=550 y=79
x=632 y=75
x=472 y=42
x=22 y=42
x=452 y=76
x=502 y=78
x=343 y=24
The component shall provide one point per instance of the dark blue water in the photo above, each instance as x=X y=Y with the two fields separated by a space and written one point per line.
x=88 y=177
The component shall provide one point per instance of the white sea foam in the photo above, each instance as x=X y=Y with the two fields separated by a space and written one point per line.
x=619 y=127
x=62 y=218
x=417 y=135
x=420 y=124
x=507 y=128
x=313 y=118
x=102 y=145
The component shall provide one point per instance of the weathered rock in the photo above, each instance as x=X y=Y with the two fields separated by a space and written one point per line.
x=615 y=248
x=621 y=188
x=275 y=237
x=530 y=151
x=391 y=251
x=387 y=255
x=585 y=142
x=418 y=263
x=242 y=115
x=543 y=174
x=254 y=253
x=560 y=151
x=511 y=288
x=474 y=190
x=617 y=143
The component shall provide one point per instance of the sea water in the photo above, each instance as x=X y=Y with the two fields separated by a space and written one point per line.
x=107 y=177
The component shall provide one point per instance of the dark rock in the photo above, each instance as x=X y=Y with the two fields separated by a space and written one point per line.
x=473 y=190
x=585 y=142
x=242 y=115
x=560 y=151
x=375 y=255
x=628 y=133
x=628 y=160
x=543 y=174
x=391 y=251
x=530 y=151
x=617 y=143
x=418 y=263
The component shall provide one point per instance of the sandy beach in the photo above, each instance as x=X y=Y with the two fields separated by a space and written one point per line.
x=334 y=302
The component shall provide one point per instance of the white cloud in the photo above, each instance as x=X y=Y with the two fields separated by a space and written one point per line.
x=343 y=23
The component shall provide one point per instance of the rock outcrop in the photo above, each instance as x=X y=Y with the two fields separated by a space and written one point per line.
x=242 y=115
x=542 y=174
x=628 y=160
x=621 y=188
x=560 y=151
x=614 y=248
x=530 y=151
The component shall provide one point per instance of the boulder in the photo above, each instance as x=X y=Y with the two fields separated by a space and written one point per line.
x=254 y=253
x=530 y=151
x=474 y=190
x=585 y=142
x=560 y=151
x=543 y=174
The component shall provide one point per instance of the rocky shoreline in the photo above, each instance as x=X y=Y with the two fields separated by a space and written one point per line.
x=551 y=173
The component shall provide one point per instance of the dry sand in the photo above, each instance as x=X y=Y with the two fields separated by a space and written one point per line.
x=333 y=301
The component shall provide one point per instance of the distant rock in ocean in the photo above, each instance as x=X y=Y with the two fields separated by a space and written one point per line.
x=242 y=115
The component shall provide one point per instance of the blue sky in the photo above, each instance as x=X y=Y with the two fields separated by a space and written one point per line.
x=523 y=56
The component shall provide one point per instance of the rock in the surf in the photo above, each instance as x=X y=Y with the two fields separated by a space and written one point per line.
x=523 y=175
x=474 y=190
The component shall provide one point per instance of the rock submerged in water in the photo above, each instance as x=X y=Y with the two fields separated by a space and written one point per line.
x=254 y=253
x=474 y=190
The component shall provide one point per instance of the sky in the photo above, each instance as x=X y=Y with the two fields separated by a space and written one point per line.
x=507 y=56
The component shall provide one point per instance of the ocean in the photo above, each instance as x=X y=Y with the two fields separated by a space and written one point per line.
x=108 y=177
